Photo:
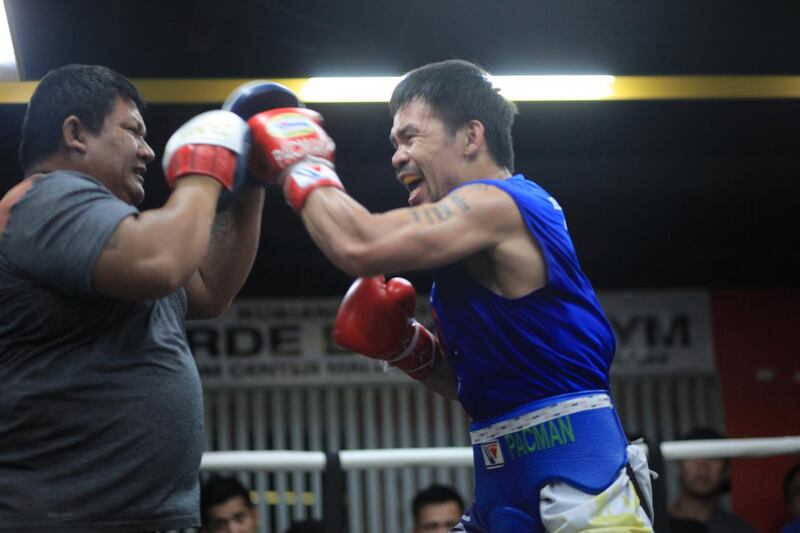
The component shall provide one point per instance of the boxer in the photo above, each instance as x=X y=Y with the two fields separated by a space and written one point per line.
x=521 y=342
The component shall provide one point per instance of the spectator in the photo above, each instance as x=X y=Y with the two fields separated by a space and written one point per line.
x=702 y=482
x=226 y=507
x=436 y=509
x=791 y=493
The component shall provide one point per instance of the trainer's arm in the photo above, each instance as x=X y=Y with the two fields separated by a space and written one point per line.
x=153 y=254
x=232 y=251
x=468 y=220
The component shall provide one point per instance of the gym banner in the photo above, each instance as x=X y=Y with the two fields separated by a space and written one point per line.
x=288 y=342
x=660 y=331
x=278 y=342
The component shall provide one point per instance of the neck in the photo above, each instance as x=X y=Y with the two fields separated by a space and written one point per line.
x=501 y=174
x=693 y=507
x=56 y=161
x=490 y=172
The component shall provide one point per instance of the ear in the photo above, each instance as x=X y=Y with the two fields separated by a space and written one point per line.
x=73 y=135
x=474 y=137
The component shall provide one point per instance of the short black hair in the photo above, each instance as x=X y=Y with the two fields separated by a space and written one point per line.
x=790 y=475
x=435 y=494
x=219 y=489
x=702 y=433
x=87 y=91
x=458 y=91
x=709 y=433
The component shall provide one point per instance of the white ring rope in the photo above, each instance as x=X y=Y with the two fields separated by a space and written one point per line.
x=462 y=456
x=761 y=447
x=282 y=460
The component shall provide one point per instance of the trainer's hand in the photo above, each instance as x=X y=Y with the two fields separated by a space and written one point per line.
x=291 y=149
x=210 y=145
x=376 y=319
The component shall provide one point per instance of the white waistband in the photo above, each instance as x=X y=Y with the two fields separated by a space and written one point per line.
x=551 y=412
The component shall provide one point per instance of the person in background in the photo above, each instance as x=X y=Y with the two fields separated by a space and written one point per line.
x=226 y=506
x=702 y=482
x=436 y=509
x=791 y=494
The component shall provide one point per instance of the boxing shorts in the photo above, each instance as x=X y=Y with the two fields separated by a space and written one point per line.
x=562 y=460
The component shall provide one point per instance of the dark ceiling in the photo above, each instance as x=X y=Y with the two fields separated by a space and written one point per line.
x=657 y=193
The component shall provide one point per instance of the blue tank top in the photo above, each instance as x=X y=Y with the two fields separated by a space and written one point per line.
x=506 y=353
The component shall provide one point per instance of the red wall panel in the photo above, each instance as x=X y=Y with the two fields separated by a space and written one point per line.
x=757 y=347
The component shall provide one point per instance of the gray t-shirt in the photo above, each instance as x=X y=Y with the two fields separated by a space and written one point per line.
x=101 y=422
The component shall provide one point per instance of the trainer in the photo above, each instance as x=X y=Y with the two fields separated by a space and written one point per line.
x=522 y=341
x=101 y=421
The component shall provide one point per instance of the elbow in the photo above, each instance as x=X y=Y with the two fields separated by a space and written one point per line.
x=207 y=310
x=211 y=308
x=162 y=277
x=156 y=287
x=355 y=260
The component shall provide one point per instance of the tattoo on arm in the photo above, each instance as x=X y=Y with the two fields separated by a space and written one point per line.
x=442 y=212
x=432 y=214
x=459 y=202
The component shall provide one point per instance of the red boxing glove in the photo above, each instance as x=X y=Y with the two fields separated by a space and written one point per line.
x=376 y=319
x=291 y=149
x=285 y=136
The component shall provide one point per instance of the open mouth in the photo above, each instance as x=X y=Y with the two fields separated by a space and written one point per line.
x=411 y=181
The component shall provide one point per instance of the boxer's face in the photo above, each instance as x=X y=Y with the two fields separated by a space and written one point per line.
x=438 y=517
x=703 y=477
x=427 y=157
x=232 y=516
x=118 y=155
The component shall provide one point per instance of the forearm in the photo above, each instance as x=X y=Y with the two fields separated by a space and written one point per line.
x=153 y=254
x=340 y=227
x=181 y=230
x=234 y=243
x=441 y=379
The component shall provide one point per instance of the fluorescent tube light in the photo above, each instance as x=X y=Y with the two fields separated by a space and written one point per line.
x=355 y=89
x=520 y=88
x=542 y=88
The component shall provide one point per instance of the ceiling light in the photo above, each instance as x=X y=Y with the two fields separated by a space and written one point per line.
x=355 y=89
x=542 y=88
x=520 y=88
